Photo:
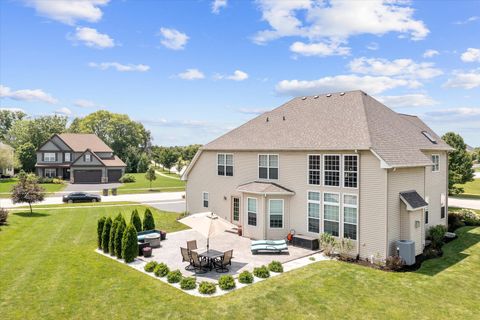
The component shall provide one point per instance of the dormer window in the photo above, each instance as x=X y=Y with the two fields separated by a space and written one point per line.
x=88 y=158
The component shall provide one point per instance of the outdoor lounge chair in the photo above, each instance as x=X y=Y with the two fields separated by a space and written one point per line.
x=224 y=261
x=198 y=265
x=268 y=242
x=192 y=245
x=186 y=258
x=268 y=248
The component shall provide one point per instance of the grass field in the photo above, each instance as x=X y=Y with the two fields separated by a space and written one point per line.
x=7 y=184
x=50 y=271
x=471 y=190
x=142 y=185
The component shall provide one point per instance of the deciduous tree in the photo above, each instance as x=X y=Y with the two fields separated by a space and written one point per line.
x=27 y=190
x=460 y=164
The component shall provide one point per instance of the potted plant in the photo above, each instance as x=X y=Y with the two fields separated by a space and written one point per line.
x=163 y=235
x=114 y=191
x=239 y=230
x=147 y=252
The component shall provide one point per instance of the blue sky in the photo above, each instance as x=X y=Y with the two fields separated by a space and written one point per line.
x=191 y=70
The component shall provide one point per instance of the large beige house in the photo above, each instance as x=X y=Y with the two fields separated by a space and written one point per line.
x=341 y=163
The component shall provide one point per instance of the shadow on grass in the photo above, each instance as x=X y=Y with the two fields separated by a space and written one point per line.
x=453 y=252
x=27 y=214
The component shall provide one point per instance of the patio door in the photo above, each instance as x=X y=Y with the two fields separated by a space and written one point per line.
x=235 y=217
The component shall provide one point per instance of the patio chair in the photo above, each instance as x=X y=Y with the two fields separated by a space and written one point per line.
x=224 y=261
x=199 y=266
x=186 y=258
x=192 y=245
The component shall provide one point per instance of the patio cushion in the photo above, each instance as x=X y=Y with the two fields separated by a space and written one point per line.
x=267 y=247
x=268 y=242
x=142 y=236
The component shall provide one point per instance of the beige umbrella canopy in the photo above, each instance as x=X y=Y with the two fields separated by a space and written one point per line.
x=207 y=224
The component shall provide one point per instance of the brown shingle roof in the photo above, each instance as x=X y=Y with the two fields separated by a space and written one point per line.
x=114 y=162
x=348 y=121
x=80 y=142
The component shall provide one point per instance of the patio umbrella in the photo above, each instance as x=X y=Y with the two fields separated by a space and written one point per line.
x=207 y=224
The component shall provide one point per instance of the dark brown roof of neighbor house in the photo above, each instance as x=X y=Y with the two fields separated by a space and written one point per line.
x=79 y=142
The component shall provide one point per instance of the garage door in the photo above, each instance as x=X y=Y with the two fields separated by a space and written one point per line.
x=114 y=175
x=87 y=176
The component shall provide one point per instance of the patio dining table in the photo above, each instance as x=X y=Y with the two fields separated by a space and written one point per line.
x=210 y=255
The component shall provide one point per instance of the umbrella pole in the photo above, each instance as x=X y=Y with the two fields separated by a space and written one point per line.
x=208 y=244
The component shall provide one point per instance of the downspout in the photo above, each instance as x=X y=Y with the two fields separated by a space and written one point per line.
x=265 y=216
x=387 y=244
x=446 y=193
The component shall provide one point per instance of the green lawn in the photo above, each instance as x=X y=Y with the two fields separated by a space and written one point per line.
x=471 y=190
x=49 y=270
x=7 y=184
x=142 y=185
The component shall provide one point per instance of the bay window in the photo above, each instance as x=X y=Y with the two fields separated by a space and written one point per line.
x=252 y=211
x=275 y=211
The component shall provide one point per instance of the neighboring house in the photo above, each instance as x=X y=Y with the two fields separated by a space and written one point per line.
x=80 y=158
x=340 y=163
x=8 y=152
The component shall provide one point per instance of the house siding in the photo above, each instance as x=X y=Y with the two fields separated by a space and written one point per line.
x=436 y=183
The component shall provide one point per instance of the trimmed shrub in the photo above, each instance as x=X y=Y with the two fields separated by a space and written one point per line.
x=327 y=243
x=174 y=276
x=111 y=244
x=275 y=266
x=100 y=224
x=136 y=221
x=149 y=267
x=245 y=277
x=129 y=244
x=161 y=270
x=394 y=263
x=436 y=234
x=3 y=216
x=469 y=217
x=454 y=221
x=207 y=287
x=106 y=235
x=58 y=181
x=148 y=221
x=261 y=272
x=344 y=247
x=188 y=283
x=119 y=238
x=127 y=178
x=226 y=282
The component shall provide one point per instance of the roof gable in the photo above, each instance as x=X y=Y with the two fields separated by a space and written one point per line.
x=79 y=142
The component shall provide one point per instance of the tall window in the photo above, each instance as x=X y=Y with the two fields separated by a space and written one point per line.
x=252 y=211
x=268 y=166
x=236 y=209
x=436 y=162
x=314 y=169
x=68 y=157
x=350 y=171
x=427 y=200
x=275 y=210
x=225 y=164
x=331 y=170
x=205 y=199
x=313 y=211
x=350 y=210
x=331 y=213
x=50 y=173
x=49 y=157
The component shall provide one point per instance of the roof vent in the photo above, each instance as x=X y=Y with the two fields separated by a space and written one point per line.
x=429 y=137
x=315 y=97
x=329 y=95
x=342 y=93
x=266 y=120
x=303 y=98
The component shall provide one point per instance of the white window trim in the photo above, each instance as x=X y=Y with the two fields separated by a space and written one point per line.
x=433 y=167
x=340 y=176
x=203 y=199
x=283 y=214
x=308 y=170
x=343 y=170
x=340 y=213
x=49 y=169
x=320 y=216
x=225 y=165
x=268 y=165
x=256 y=211
x=50 y=153
x=343 y=213
x=64 y=157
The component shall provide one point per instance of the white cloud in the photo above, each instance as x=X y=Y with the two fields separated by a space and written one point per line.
x=82 y=103
x=455 y=113
x=217 y=5
x=369 y=84
x=255 y=111
x=405 y=68
x=64 y=111
x=471 y=55
x=191 y=74
x=408 y=100
x=468 y=20
x=92 y=38
x=373 y=46
x=69 y=11
x=27 y=95
x=467 y=80
x=430 y=53
x=120 y=67
x=173 y=39
x=238 y=75
x=13 y=109
x=337 y=20
x=319 y=49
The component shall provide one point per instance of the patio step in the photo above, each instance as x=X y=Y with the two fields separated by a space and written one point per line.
x=232 y=230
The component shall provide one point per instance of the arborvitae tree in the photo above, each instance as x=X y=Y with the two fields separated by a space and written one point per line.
x=118 y=238
x=106 y=234
x=136 y=221
x=100 y=224
x=148 y=221
x=113 y=230
x=129 y=244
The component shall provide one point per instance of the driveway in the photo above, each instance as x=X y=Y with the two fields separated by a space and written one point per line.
x=464 y=203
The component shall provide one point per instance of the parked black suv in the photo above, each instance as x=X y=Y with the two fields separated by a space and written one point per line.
x=81 y=197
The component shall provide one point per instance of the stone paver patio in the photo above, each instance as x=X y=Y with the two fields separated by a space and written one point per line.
x=243 y=259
